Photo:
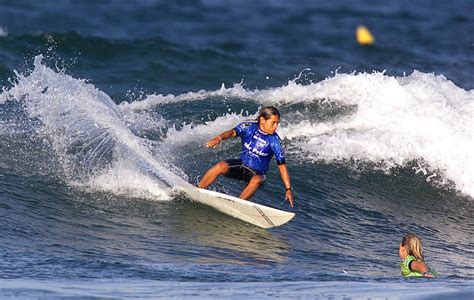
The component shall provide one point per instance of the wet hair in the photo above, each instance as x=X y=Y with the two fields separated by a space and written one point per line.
x=267 y=112
x=412 y=244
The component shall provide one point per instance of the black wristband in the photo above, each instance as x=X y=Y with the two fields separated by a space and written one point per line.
x=290 y=189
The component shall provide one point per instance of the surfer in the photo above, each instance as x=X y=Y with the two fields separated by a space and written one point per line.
x=259 y=143
x=412 y=261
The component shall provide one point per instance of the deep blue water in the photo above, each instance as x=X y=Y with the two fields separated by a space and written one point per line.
x=105 y=105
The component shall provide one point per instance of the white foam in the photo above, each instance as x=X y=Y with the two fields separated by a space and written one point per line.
x=155 y=100
x=397 y=120
x=203 y=132
x=124 y=178
x=393 y=121
x=89 y=133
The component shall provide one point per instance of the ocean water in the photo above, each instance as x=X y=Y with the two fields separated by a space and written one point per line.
x=105 y=107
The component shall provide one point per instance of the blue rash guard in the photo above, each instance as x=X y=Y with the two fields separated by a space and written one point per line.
x=259 y=147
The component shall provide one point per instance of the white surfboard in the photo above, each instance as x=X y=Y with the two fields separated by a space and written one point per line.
x=253 y=213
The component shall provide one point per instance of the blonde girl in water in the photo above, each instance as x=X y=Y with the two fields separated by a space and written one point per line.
x=412 y=260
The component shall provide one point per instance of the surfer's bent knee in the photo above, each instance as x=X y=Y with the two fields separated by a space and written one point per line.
x=223 y=167
x=258 y=180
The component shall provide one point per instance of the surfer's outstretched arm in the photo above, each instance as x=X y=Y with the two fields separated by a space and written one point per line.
x=221 y=167
x=285 y=177
x=213 y=143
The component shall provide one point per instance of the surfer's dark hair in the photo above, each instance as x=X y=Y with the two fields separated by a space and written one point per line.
x=267 y=112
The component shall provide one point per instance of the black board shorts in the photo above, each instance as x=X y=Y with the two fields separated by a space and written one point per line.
x=238 y=170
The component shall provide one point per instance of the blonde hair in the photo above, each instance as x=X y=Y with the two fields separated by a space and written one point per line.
x=412 y=244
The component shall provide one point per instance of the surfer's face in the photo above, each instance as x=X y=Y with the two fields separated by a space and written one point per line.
x=269 y=126
x=402 y=251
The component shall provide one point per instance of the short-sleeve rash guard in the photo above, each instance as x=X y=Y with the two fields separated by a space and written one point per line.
x=259 y=147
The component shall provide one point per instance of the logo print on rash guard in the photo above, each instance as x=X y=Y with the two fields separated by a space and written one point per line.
x=260 y=145
x=257 y=147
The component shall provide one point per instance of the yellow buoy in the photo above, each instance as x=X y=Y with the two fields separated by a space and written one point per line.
x=363 y=36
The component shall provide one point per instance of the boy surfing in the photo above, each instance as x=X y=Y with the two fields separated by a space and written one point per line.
x=259 y=143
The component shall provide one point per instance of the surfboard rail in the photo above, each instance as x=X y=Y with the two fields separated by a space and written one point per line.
x=248 y=211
